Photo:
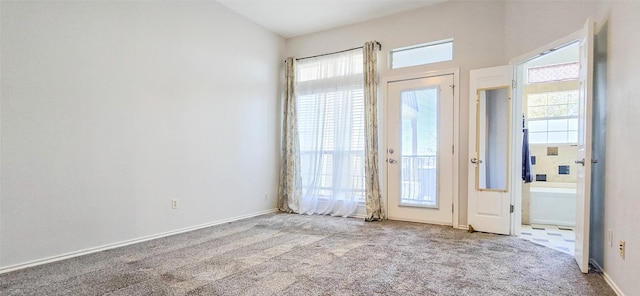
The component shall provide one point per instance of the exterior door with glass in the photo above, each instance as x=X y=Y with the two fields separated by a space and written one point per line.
x=420 y=149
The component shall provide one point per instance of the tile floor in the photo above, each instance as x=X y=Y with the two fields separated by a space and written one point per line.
x=561 y=238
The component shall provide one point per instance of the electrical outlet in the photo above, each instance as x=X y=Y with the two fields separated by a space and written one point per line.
x=174 y=204
x=266 y=196
x=610 y=237
x=622 y=246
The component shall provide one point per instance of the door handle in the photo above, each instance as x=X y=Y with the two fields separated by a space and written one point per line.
x=476 y=161
x=580 y=162
x=391 y=160
x=391 y=151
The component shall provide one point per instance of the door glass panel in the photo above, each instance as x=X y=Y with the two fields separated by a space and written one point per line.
x=419 y=163
x=492 y=139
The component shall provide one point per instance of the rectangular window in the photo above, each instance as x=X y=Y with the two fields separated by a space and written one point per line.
x=423 y=54
x=553 y=73
x=553 y=117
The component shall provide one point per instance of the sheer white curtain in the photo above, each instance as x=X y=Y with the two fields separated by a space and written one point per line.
x=331 y=127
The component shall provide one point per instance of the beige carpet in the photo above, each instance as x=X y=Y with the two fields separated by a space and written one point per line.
x=289 y=254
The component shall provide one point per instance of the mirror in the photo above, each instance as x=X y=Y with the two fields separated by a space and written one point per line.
x=492 y=139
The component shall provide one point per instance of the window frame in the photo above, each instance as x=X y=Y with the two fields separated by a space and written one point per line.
x=420 y=46
x=548 y=119
x=551 y=67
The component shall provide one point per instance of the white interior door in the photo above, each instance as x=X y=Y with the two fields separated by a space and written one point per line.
x=583 y=198
x=489 y=199
x=419 y=154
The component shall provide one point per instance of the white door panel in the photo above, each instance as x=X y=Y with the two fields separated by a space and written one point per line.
x=419 y=156
x=489 y=197
x=583 y=198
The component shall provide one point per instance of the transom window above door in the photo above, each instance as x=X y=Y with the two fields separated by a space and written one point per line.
x=421 y=54
x=553 y=73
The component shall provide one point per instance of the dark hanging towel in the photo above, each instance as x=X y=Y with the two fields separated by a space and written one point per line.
x=527 y=171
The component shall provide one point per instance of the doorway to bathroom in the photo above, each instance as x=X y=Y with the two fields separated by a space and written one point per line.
x=550 y=93
x=492 y=212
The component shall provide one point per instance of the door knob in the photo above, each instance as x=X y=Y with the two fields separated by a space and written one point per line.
x=580 y=162
x=392 y=161
x=391 y=151
x=476 y=161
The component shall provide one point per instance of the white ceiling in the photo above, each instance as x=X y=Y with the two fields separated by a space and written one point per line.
x=290 y=18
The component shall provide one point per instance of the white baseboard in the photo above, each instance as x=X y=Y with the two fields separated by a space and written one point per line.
x=465 y=227
x=612 y=284
x=420 y=221
x=126 y=243
x=607 y=279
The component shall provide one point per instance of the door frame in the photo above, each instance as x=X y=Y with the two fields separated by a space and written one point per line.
x=384 y=141
x=586 y=33
x=517 y=106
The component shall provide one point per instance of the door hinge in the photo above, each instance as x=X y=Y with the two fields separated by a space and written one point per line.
x=510 y=208
x=451 y=208
x=453 y=149
x=513 y=84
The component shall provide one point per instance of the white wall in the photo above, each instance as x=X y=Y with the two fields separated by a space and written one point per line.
x=622 y=122
x=111 y=109
x=478 y=32
x=532 y=24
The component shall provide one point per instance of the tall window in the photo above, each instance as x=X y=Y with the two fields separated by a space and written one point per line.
x=553 y=117
x=330 y=115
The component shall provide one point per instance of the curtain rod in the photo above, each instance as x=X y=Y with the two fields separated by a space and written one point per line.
x=335 y=52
